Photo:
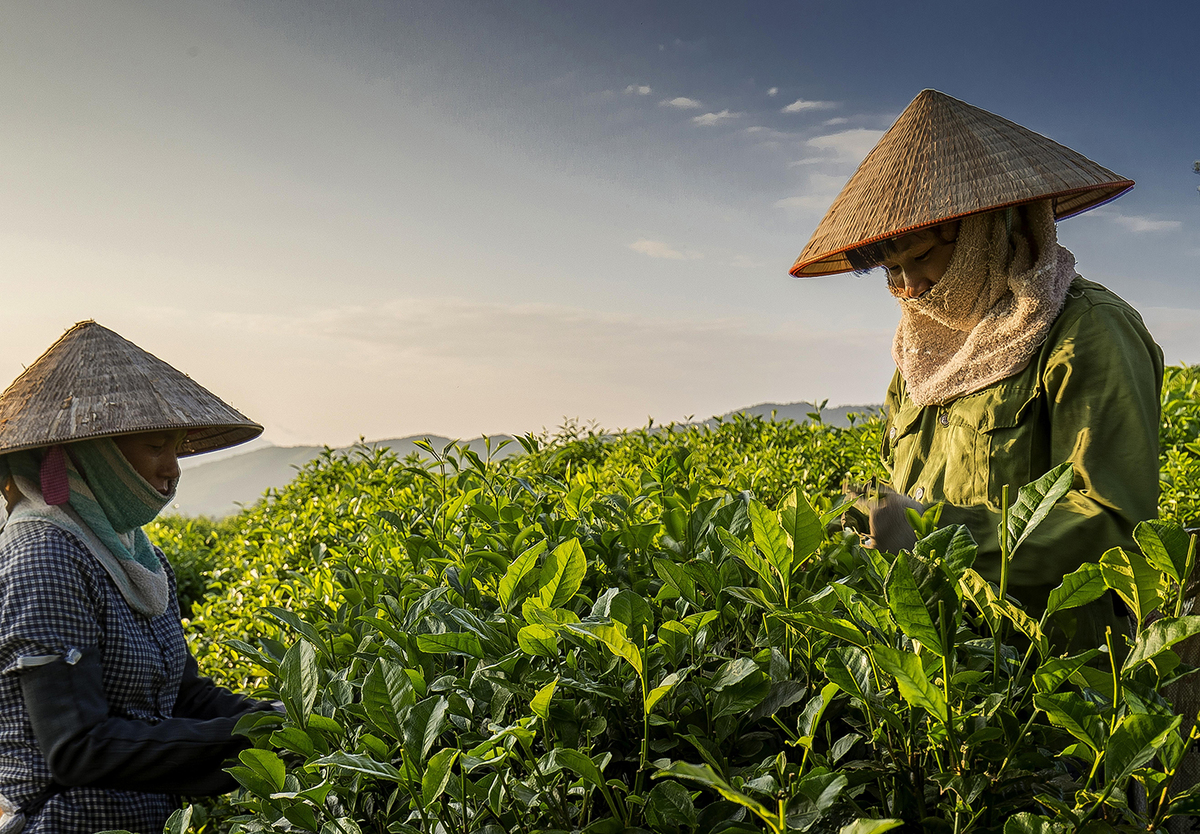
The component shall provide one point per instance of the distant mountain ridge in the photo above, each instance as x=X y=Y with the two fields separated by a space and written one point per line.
x=220 y=485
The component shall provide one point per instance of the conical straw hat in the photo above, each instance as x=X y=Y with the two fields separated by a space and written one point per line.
x=944 y=159
x=93 y=383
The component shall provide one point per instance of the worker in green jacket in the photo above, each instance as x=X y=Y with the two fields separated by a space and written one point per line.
x=1008 y=362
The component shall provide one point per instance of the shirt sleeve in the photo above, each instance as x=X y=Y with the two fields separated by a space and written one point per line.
x=1103 y=382
x=48 y=600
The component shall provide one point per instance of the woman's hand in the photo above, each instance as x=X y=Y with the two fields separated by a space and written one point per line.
x=888 y=522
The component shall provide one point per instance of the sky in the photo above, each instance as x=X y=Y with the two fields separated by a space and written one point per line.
x=380 y=219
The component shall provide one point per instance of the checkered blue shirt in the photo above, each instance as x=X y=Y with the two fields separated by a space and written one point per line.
x=54 y=597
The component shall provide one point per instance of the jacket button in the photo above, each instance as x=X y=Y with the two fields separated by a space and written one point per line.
x=920 y=493
x=892 y=433
x=944 y=419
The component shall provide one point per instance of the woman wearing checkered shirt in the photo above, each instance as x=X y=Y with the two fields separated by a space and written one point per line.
x=104 y=718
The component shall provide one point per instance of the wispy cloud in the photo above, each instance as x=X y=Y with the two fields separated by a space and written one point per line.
x=840 y=120
x=817 y=196
x=681 y=103
x=811 y=160
x=1137 y=223
x=658 y=249
x=638 y=90
x=847 y=145
x=802 y=105
x=774 y=91
x=709 y=119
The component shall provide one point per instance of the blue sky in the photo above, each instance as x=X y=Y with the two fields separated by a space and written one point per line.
x=384 y=218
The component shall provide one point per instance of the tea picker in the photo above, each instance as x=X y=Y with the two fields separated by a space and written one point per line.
x=104 y=717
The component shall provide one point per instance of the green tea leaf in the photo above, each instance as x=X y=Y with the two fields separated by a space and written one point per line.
x=538 y=640
x=915 y=686
x=520 y=566
x=266 y=764
x=1055 y=671
x=613 y=636
x=450 y=642
x=1081 y=586
x=1075 y=715
x=386 y=692
x=1134 y=742
x=1160 y=636
x=1165 y=546
x=803 y=528
x=675 y=576
x=1131 y=576
x=850 y=668
x=422 y=726
x=575 y=761
x=659 y=692
x=437 y=774
x=771 y=540
x=908 y=607
x=1035 y=501
x=1027 y=823
x=865 y=826
x=842 y=629
x=298 y=676
x=562 y=574
x=952 y=546
x=705 y=775
x=540 y=703
x=669 y=807
x=360 y=764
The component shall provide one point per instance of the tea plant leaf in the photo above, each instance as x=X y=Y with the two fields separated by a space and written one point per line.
x=771 y=540
x=613 y=636
x=386 y=692
x=540 y=703
x=803 y=528
x=705 y=775
x=422 y=726
x=296 y=624
x=1026 y=624
x=842 y=629
x=915 y=686
x=908 y=607
x=359 y=763
x=952 y=546
x=677 y=578
x=520 y=566
x=1035 y=501
x=450 y=642
x=437 y=774
x=576 y=762
x=1027 y=823
x=1081 y=586
x=743 y=551
x=659 y=692
x=669 y=807
x=1055 y=671
x=850 y=668
x=298 y=675
x=538 y=640
x=1134 y=742
x=741 y=696
x=266 y=764
x=864 y=826
x=1165 y=546
x=1160 y=636
x=562 y=574
x=1131 y=576
x=981 y=594
x=732 y=672
x=1075 y=715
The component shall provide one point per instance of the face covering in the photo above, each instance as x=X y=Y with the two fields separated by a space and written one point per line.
x=989 y=313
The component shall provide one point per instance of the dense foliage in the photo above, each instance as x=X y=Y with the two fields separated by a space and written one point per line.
x=669 y=629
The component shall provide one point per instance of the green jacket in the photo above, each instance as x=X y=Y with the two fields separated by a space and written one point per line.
x=1091 y=395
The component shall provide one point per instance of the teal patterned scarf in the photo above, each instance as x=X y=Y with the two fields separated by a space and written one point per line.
x=108 y=504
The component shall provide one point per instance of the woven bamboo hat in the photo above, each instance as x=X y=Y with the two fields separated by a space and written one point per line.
x=93 y=383
x=944 y=159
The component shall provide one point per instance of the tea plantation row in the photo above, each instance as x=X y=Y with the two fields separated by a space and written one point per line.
x=670 y=630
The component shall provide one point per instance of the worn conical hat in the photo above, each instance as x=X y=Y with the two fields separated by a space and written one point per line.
x=93 y=383
x=944 y=159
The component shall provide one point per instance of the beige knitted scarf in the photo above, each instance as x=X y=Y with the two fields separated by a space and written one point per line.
x=991 y=310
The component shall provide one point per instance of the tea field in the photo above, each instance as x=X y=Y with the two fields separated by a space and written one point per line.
x=671 y=630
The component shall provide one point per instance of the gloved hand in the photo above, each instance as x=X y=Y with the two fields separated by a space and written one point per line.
x=884 y=508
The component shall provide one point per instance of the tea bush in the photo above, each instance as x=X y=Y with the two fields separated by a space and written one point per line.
x=669 y=630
